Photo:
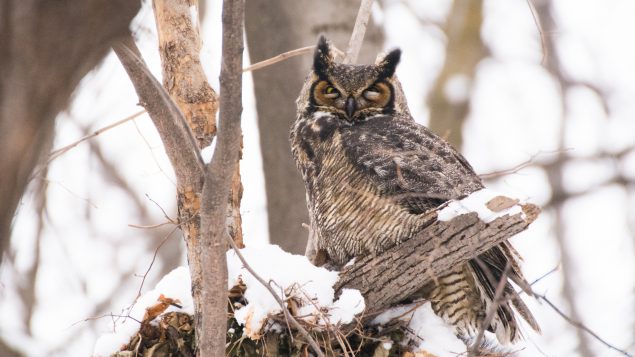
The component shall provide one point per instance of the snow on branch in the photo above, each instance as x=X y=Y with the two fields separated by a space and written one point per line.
x=359 y=309
x=457 y=232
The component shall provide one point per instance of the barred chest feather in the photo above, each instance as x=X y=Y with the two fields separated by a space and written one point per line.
x=352 y=215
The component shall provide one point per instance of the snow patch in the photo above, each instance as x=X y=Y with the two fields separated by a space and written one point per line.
x=175 y=285
x=290 y=276
x=477 y=202
x=427 y=330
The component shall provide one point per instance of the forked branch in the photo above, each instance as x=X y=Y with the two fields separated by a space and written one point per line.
x=177 y=137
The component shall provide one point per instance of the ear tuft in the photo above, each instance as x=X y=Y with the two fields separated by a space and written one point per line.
x=322 y=59
x=389 y=64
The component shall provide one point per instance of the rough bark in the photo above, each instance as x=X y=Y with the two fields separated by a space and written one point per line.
x=274 y=27
x=183 y=75
x=464 y=51
x=211 y=332
x=396 y=274
x=185 y=81
x=46 y=47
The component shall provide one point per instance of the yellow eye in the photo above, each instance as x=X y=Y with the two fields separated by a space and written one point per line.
x=330 y=92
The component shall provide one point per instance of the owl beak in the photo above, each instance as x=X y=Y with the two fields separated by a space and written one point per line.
x=350 y=106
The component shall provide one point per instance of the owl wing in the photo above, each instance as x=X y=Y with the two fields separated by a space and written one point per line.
x=408 y=162
x=420 y=171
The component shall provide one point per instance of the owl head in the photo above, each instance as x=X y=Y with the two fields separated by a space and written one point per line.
x=352 y=92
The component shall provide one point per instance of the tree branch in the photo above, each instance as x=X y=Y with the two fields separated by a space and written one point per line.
x=396 y=274
x=183 y=75
x=355 y=43
x=580 y=326
x=177 y=138
x=218 y=176
x=182 y=151
x=63 y=150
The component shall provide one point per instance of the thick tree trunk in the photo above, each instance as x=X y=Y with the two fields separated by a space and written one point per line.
x=274 y=27
x=46 y=47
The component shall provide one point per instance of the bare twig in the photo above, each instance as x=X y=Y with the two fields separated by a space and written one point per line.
x=529 y=162
x=581 y=326
x=286 y=55
x=355 y=43
x=165 y=215
x=151 y=226
x=491 y=311
x=61 y=151
x=284 y=308
x=154 y=257
x=106 y=315
x=543 y=42
x=279 y=58
x=553 y=270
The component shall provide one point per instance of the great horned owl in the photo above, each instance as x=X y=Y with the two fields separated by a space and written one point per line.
x=371 y=172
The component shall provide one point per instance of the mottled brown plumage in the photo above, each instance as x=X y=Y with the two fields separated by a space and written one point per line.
x=371 y=172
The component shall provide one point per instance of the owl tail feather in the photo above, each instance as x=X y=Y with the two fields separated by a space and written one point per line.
x=488 y=270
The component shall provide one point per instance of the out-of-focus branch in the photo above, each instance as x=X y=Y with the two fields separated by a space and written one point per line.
x=112 y=174
x=61 y=151
x=279 y=58
x=449 y=100
x=27 y=284
x=555 y=175
x=580 y=326
x=357 y=37
x=40 y=67
x=211 y=331
x=543 y=43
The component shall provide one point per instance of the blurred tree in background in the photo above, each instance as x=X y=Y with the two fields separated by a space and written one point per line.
x=547 y=108
x=273 y=28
